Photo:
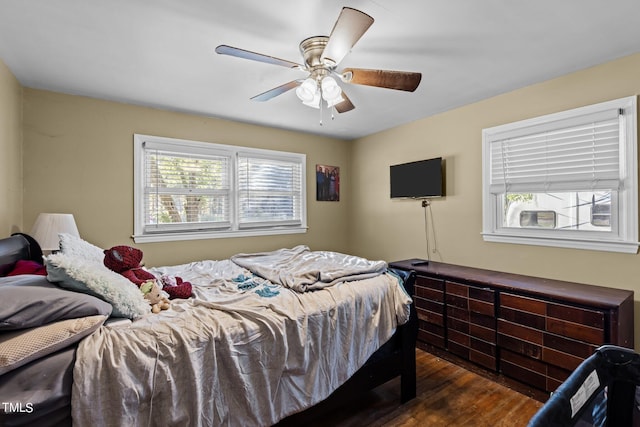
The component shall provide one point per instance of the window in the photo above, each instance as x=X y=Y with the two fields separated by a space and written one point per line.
x=567 y=179
x=194 y=190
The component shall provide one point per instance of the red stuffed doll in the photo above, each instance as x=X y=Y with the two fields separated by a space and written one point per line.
x=126 y=260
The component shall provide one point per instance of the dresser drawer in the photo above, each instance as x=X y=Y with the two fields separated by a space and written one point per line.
x=554 y=350
x=428 y=288
x=524 y=304
x=524 y=369
x=578 y=323
x=430 y=311
x=473 y=299
x=431 y=333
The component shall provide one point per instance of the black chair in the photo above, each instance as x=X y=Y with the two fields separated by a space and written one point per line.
x=600 y=392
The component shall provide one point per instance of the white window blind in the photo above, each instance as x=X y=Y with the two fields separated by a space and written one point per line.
x=269 y=191
x=185 y=191
x=579 y=166
x=578 y=154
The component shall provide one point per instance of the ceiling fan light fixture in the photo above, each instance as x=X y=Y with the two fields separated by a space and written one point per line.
x=307 y=90
x=330 y=89
x=321 y=56
x=315 y=101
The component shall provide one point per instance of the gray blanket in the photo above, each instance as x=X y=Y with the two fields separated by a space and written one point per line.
x=302 y=270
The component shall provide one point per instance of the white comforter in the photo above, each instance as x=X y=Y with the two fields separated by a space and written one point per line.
x=243 y=352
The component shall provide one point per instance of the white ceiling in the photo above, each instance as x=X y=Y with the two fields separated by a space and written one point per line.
x=160 y=53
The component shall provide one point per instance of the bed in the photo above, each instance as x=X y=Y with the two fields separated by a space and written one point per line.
x=265 y=336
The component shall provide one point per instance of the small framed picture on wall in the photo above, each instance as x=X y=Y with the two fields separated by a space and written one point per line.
x=327 y=183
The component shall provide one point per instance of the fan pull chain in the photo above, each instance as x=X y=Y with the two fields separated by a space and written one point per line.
x=320 y=111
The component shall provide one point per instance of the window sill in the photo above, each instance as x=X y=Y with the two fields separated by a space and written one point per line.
x=594 y=245
x=172 y=237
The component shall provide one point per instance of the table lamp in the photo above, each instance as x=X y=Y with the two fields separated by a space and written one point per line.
x=47 y=226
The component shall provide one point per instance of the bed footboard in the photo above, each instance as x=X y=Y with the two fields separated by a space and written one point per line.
x=409 y=336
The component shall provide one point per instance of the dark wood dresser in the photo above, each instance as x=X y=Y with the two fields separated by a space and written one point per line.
x=535 y=331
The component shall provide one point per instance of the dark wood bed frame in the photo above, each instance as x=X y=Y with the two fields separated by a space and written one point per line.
x=395 y=358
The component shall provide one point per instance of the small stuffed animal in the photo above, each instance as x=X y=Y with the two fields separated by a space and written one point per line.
x=175 y=287
x=127 y=261
x=153 y=293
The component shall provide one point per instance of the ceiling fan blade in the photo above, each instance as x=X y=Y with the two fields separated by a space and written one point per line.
x=272 y=93
x=348 y=29
x=223 y=49
x=345 y=105
x=399 y=80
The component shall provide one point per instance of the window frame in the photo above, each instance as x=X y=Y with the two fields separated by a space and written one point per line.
x=624 y=204
x=140 y=235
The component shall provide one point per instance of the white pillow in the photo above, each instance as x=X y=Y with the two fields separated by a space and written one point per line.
x=18 y=348
x=73 y=245
x=78 y=274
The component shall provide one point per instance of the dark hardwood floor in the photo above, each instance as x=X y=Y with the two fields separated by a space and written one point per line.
x=447 y=395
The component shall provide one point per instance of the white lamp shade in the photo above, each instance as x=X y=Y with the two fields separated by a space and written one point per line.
x=315 y=102
x=47 y=227
x=330 y=89
x=307 y=90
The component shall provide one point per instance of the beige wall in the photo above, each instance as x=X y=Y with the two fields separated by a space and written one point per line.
x=79 y=159
x=382 y=228
x=10 y=152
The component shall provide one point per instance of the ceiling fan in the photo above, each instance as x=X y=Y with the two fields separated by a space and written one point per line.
x=321 y=56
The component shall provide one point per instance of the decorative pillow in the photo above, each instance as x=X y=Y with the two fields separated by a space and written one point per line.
x=29 y=301
x=75 y=246
x=25 y=266
x=21 y=347
x=81 y=275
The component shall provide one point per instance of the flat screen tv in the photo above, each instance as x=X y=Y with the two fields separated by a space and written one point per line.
x=417 y=180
